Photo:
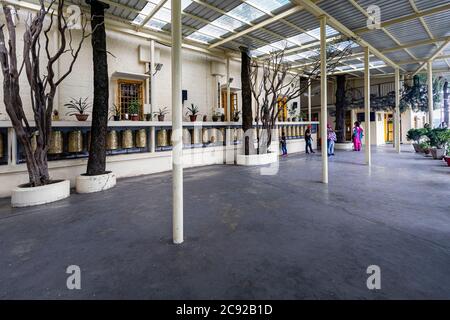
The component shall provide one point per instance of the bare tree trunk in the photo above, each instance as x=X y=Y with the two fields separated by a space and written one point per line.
x=247 y=114
x=446 y=108
x=340 y=108
x=99 y=128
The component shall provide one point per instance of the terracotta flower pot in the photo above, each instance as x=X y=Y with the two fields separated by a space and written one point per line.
x=134 y=117
x=82 y=117
x=160 y=118
x=193 y=118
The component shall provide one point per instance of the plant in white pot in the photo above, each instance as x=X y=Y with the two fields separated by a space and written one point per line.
x=41 y=188
x=439 y=138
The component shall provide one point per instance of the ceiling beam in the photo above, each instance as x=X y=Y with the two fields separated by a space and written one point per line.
x=318 y=12
x=435 y=54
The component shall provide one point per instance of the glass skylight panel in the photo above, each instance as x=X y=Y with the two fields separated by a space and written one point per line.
x=156 y=24
x=163 y=14
x=282 y=44
x=246 y=13
x=227 y=22
x=329 y=31
x=268 y=5
x=213 y=31
x=196 y=36
x=301 y=39
x=144 y=12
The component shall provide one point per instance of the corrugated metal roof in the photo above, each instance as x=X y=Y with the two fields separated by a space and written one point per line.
x=429 y=4
x=389 y=9
x=408 y=31
x=345 y=12
x=379 y=39
x=439 y=24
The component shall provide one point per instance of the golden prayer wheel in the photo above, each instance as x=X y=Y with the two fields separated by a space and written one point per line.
x=112 y=140
x=302 y=130
x=196 y=136
x=141 y=138
x=186 y=137
x=75 y=141
x=56 y=143
x=127 y=139
x=1 y=145
x=205 y=135
x=161 y=139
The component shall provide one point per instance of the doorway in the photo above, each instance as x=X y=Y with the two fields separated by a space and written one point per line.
x=388 y=128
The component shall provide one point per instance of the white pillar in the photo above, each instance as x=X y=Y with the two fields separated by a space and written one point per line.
x=309 y=99
x=228 y=92
x=367 y=105
x=397 y=110
x=323 y=97
x=430 y=93
x=299 y=97
x=177 y=129
x=152 y=93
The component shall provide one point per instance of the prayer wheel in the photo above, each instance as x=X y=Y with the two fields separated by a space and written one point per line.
x=75 y=141
x=186 y=137
x=127 y=139
x=56 y=143
x=196 y=136
x=141 y=138
x=205 y=138
x=112 y=141
x=161 y=140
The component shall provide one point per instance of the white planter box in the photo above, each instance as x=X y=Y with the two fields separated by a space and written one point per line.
x=344 y=146
x=90 y=184
x=32 y=196
x=257 y=159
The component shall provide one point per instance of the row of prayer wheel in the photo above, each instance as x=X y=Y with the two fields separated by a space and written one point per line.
x=194 y=136
x=75 y=141
x=292 y=131
x=127 y=141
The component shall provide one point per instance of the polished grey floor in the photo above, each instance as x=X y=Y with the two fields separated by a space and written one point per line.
x=248 y=236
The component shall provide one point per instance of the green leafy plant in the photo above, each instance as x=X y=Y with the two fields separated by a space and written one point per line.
x=236 y=114
x=416 y=134
x=161 y=112
x=134 y=107
x=193 y=110
x=80 y=106
x=425 y=145
x=439 y=137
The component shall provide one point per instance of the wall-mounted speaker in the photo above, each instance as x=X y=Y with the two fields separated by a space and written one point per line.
x=184 y=95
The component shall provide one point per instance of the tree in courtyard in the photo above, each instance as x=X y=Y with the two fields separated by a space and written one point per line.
x=274 y=78
x=99 y=128
x=340 y=108
x=247 y=115
x=43 y=84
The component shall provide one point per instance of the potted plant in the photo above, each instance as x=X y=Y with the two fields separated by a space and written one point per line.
x=425 y=147
x=301 y=116
x=292 y=113
x=439 y=138
x=416 y=135
x=447 y=157
x=161 y=113
x=115 y=109
x=222 y=117
x=148 y=117
x=133 y=110
x=192 y=112
x=205 y=118
x=236 y=114
x=80 y=106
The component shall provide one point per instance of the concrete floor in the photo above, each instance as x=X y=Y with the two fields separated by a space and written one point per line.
x=248 y=236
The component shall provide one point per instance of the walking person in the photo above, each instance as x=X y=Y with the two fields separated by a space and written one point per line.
x=331 y=139
x=308 y=140
x=283 y=144
x=357 y=136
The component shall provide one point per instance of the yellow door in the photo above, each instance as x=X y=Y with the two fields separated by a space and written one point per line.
x=388 y=128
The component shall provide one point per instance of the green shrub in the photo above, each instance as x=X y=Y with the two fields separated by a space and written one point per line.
x=439 y=137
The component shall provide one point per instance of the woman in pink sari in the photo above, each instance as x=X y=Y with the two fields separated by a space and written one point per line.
x=357 y=136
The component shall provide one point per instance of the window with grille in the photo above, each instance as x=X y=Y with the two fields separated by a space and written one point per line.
x=130 y=91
